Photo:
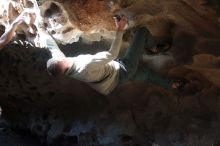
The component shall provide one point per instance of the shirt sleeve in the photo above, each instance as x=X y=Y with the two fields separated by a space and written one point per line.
x=104 y=57
x=52 y=45
x=54 y=49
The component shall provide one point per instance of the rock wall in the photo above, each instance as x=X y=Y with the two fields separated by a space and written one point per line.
x=64 y=111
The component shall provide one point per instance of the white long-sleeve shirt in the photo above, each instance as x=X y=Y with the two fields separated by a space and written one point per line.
x=100 y=70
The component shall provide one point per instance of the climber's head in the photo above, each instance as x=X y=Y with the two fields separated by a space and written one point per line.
x=2 y=30
x=57 y=66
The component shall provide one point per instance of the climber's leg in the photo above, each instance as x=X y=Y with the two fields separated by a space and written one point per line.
x=146 y=74
x=129 y=63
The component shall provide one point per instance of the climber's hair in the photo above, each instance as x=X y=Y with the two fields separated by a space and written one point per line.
x=2 y=29
x=53 y=67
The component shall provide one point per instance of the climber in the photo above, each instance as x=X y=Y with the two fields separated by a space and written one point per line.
x=9 y=34
x=102 y=71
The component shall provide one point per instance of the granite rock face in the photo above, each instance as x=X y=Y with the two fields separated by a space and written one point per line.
x=64 y=111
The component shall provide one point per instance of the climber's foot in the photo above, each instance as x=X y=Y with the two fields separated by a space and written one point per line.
x=159 y=48
x=178 y=84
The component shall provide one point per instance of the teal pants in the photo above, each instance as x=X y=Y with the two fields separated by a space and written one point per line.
x=129 y=69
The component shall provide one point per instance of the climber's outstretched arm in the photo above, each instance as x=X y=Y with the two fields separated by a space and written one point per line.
x=48 y=42
x=104 y=57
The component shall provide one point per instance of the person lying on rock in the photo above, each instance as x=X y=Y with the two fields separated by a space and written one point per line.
x=102 y=71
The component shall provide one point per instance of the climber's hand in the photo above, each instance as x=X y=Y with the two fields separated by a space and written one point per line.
x=121 y=23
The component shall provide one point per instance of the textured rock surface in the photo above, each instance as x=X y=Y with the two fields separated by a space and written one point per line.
x=10 y=137
x=64 y=111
